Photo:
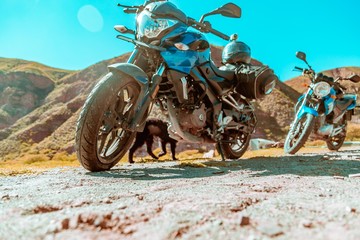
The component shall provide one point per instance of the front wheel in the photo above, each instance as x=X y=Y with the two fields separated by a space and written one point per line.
x=334 y=143
x=101 y=140
x=299 y=133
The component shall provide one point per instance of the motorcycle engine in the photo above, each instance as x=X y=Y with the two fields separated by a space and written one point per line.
x=193 y=120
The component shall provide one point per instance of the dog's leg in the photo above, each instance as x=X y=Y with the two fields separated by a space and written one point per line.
x=163 y=148
x=149 y=143
x=138 y=143
x=173 y=146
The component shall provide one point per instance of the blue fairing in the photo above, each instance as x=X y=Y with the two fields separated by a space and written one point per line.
x=182 y=61
x=329 y=102
x=351 y=97
x=305 y=109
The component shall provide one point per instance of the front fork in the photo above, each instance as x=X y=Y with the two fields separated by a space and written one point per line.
x=138 y=121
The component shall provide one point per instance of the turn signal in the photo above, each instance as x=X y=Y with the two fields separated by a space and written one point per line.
x=181 y=46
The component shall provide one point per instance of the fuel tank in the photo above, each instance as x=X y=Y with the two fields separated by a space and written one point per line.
x=198 y=51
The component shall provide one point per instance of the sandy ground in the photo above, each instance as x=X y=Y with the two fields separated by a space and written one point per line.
x=308 y=196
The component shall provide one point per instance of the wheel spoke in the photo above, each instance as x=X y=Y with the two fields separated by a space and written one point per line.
x=109 y=144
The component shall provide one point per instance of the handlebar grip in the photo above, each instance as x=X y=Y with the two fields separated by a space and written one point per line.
x=342 y=87
x=130 y=10
x=299 y=68
x=220 y=34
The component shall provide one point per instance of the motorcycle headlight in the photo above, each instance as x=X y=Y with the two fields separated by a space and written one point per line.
x=154 y=28
x=150 y=27
x=321 y=89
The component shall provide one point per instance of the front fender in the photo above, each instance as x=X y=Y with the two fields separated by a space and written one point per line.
x=131 y=70
x=304 y=110
x=136 y=73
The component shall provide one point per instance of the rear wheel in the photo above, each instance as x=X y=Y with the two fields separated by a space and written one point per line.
x=101 y=139
x=235 y=144
x=299 y=133
x=335 y=143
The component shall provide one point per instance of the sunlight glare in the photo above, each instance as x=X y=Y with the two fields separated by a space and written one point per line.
x=90 y=18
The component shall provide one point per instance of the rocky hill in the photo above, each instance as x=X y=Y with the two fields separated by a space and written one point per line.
x=300 y=83
x=23 y=87
x=39 y=106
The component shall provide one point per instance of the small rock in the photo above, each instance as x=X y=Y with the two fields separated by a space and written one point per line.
x=245 y=221
x=271 y=230
x=350 y=210
x=5 y=197
x=98 y=221
x=218 y=222
x=209 y=154
x=107 y=201
x=140 y=197
x=354 y=175
x=74 y=222
x=307 y=224
x=122 y=207
x=65 y=223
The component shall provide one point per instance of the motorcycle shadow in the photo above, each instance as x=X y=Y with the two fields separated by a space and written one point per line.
x=171 y=170
x=333 y=164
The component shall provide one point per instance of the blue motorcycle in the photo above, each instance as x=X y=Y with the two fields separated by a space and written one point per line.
x=171 y=67
x=324 y=109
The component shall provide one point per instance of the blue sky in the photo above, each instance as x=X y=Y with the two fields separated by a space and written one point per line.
x=73 y=34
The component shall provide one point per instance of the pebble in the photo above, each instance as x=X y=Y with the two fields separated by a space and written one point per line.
x=271 y=230
x=356 y=175
x=245 y=221
x=5 y=197
x=350 y=209
x=307 y=224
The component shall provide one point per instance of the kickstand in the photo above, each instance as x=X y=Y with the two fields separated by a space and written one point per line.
x=221 y=152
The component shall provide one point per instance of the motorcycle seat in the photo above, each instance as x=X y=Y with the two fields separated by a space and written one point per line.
x=227 y=74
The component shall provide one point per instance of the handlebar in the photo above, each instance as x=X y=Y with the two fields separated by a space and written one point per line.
x=299 y=68
x=341 y=86
x=201 y=26
x=206 y=27
x=219 y=34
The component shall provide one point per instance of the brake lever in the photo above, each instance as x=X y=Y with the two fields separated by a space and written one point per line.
x=298 y=69
x=130 y=10
x=126 y=6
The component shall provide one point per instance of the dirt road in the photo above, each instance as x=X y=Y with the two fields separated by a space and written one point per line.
x=291 y=197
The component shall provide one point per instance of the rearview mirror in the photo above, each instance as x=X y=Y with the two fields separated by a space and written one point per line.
x=354 y=78
x=123 y=29
x=227 y=10
x=301 y=55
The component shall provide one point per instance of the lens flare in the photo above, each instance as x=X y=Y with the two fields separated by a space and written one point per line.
x=90 y=18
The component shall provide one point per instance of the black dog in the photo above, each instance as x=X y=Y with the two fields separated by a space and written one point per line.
x=153 y=127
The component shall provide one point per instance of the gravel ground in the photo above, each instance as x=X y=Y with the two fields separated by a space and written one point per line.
x=305 y=196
